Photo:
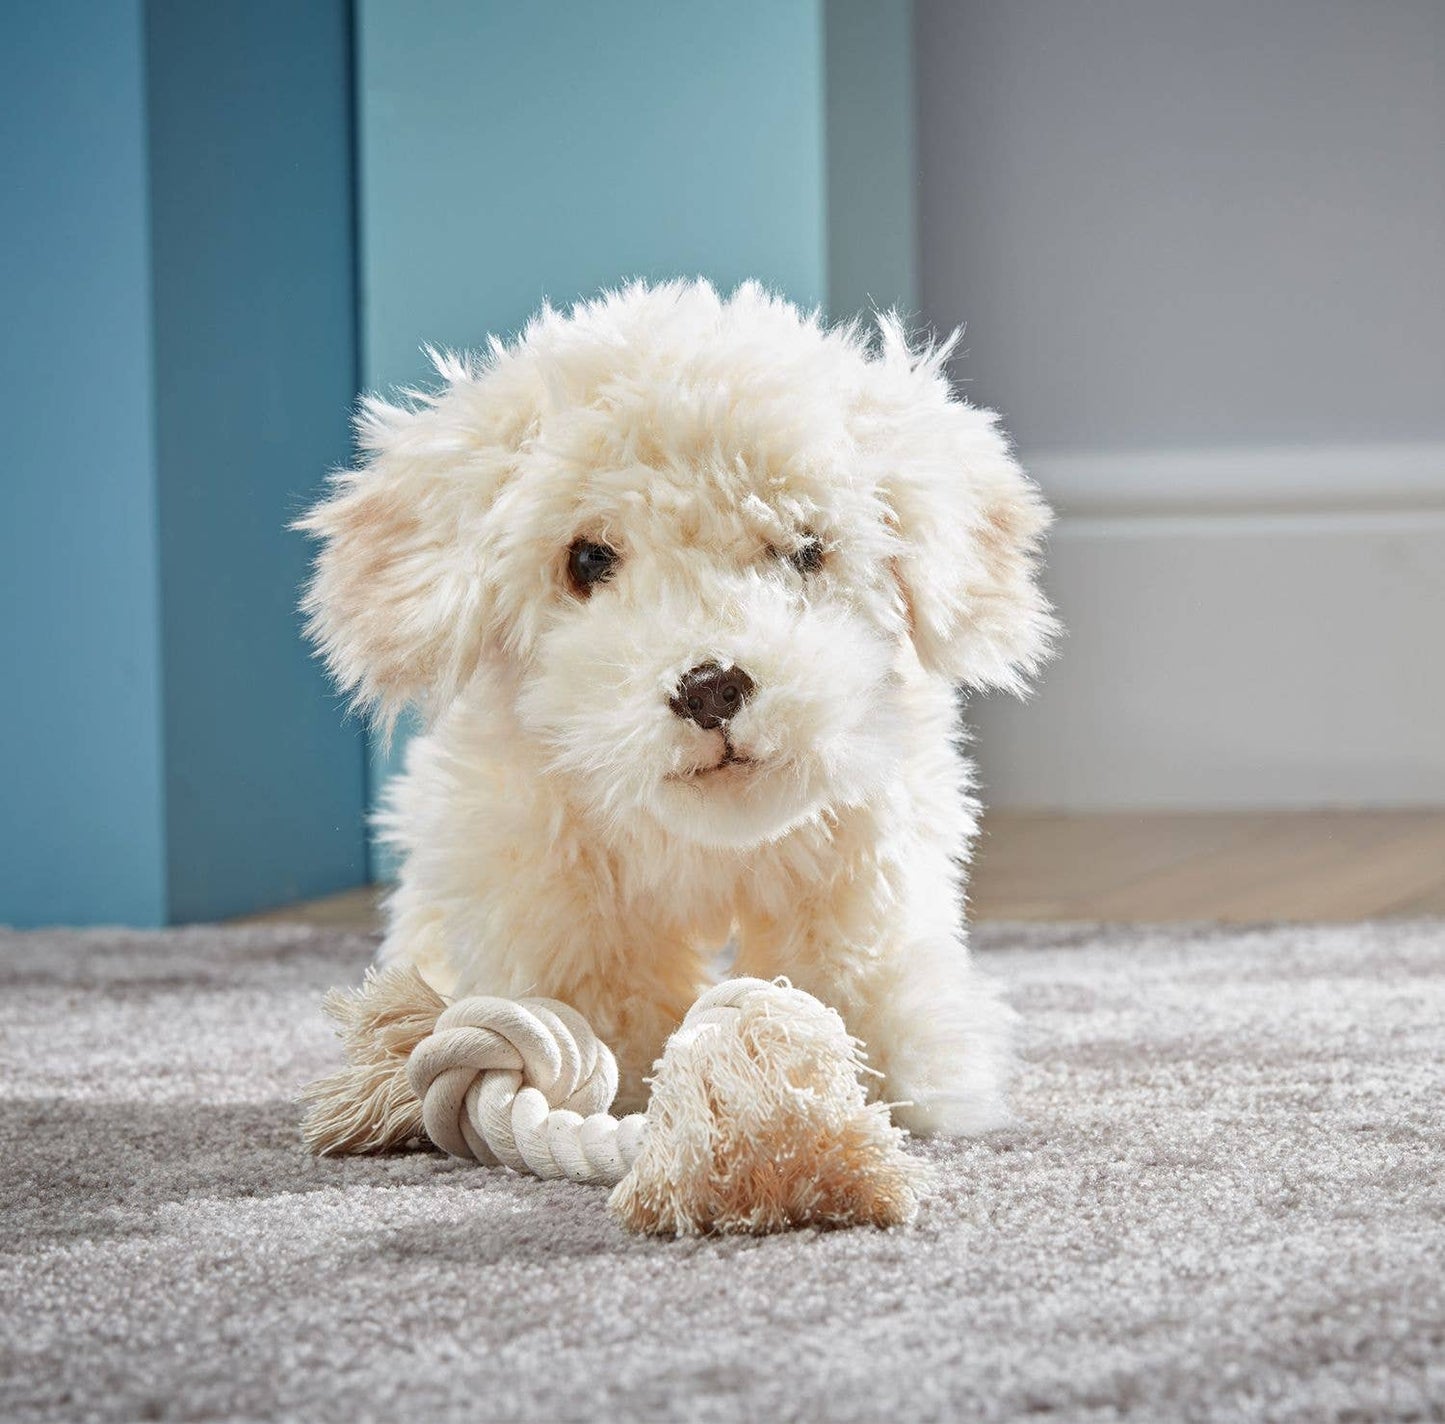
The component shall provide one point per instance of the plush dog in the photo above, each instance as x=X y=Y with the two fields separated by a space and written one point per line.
x=683 y=586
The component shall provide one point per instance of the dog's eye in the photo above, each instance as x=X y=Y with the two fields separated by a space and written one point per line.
x=807 y=558
x=589 y=564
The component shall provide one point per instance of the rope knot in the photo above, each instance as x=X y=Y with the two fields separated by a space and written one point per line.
x=524 y=1082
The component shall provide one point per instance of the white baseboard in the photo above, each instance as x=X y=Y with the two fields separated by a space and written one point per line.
x=1234 y=660
x=1282 y=479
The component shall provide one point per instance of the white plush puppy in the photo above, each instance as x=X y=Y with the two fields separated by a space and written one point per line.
x=683 y=586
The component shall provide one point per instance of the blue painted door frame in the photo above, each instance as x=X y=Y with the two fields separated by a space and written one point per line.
x=179 y=360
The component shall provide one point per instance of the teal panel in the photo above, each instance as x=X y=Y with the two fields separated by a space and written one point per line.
x=80 y=725
x=872 y=167
x=511 y=153
x=255 y=369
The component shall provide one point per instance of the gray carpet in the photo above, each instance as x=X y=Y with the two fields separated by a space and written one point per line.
x=1226 y=1200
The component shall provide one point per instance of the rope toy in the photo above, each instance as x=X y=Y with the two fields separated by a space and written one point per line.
x=758 y=1119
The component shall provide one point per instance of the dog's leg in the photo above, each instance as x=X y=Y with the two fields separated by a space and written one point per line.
x=884 y=945
x=635 y=1009
x=939 y=1033
x=633 y=980
x=936 y=1029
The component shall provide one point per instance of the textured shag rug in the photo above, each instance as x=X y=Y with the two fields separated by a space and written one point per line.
x=1225 y=1199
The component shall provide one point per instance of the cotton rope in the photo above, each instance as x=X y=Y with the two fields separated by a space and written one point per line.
x=527 y=1083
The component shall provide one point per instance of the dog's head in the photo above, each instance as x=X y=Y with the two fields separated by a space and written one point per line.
x=695 y=543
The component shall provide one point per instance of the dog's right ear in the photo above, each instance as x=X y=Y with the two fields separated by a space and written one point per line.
x=398 y=603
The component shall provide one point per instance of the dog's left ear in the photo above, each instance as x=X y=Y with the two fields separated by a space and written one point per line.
x=968 y=523
x=400 y=603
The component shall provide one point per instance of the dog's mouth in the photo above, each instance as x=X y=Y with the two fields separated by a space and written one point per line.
x=731 y=762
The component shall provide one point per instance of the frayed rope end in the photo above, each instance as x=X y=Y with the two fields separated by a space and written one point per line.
x=759 y=1121
x=368 y=1105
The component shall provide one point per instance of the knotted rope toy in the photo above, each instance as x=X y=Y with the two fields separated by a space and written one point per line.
x=758 y=1119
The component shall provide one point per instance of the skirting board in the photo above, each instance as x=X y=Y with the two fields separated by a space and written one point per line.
x=1234 y=660
x=1288 y=479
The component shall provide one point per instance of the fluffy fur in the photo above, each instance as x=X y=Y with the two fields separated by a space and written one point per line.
x=563 y=833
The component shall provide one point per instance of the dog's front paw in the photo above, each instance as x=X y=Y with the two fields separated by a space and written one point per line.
x=946 y=1067
x=933 y=1113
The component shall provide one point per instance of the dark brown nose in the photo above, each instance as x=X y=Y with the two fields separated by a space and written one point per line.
x=709 y=695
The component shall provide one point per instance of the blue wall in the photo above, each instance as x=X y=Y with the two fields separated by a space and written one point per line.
x=872 y=173
x=515 y=152
x=177 y=282
x=255 y=366
x=81 y=801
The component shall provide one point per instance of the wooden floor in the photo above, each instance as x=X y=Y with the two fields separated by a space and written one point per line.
x=1319 y=865
x=1346 y=865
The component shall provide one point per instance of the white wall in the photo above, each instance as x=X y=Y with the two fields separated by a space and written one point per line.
x=1200 y=250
